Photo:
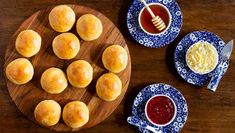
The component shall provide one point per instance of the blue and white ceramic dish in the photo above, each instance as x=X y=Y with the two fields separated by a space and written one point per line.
x=138 y=108
x=154 y=41
x=180 y=62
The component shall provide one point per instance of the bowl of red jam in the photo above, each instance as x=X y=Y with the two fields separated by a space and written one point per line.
x=145 y=19
x=160 y=110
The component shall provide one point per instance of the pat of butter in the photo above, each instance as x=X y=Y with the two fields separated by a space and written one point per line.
x=202 y=57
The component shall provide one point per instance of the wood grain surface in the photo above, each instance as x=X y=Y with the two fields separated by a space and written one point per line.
x=208 y=112
x=27 y=96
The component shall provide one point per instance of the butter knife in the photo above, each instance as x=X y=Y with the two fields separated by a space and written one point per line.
x=222 y=67
x=133 y=120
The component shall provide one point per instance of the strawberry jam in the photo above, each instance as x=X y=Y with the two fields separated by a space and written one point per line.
x=160 y=110
x=146 y=19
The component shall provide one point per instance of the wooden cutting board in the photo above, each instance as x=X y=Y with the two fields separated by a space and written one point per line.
x=27 y=96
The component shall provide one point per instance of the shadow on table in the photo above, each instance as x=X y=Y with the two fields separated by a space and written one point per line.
x=129 y=99
x=122 y=19
x=169 y=56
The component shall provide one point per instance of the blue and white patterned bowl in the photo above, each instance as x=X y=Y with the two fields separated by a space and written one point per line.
x=138 y=108
x=180 y=53
x=154 y=41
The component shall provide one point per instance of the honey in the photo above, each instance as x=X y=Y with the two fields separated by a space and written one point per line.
x=146 y=19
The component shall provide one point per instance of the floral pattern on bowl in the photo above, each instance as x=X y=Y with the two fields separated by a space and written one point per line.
x=154 y=41
x=180 y=62
x=138 y=108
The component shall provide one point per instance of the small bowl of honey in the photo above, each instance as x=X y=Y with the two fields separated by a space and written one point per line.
x=145 y=19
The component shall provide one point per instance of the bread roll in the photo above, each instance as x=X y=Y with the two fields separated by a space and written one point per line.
x=47 y=113
x=28 y=43
x=80 y=73
x=89 y=27
x=54 y=81
x=75 y=114
x=108 y=87
x=66 y=46
x=115 y=58
x=62 y=18
x=20 y=71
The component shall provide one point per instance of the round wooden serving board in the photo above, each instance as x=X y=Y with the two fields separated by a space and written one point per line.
x=27 y=96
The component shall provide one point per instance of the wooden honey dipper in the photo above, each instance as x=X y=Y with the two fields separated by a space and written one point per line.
x=157 y=21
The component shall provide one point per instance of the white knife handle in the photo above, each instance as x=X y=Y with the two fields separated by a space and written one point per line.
x=215 y=82
x=212 y=86
x=133 y=120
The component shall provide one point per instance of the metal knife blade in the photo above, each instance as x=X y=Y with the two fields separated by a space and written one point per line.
x=227 y=50
x=222 y=68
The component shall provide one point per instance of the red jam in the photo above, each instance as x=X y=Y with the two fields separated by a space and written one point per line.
x=160 y=110
x=146 y=19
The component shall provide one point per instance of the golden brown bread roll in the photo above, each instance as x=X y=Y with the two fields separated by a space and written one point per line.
x=62 y=18
x=53 y=80
x=115 y=58
x=28 y=43
x=66 y=46
x=89 y=27
x=80 y=73
x=75 y=114
x=20 y=71
x=47 y=113
x=108 y=87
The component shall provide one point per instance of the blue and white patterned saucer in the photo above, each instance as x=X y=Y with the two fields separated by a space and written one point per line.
x=183 y=46
x=138 y=108
x=154 y=41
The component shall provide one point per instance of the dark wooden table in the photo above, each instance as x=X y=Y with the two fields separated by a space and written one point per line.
x=208 y=112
